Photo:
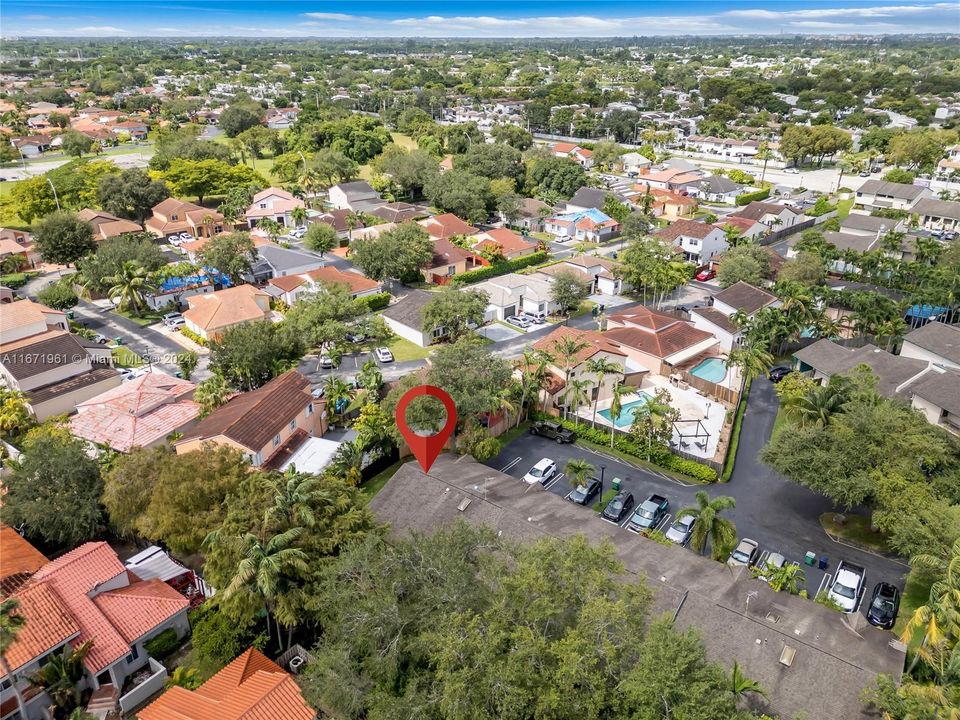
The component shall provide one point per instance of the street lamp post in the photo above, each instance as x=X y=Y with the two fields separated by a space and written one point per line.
x=56 y=199
x=602 y=468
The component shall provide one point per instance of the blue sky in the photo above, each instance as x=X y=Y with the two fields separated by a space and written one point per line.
x=494 y=18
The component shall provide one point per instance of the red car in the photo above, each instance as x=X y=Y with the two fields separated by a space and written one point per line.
x=706 y=274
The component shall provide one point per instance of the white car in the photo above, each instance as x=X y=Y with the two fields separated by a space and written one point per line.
x=791 y=171
x=175 y=240
x=187 y=237
x=541 y=472
x=298 y=232
x=680 y=531
x=847 y=586
x=383 y=354
x=172 y=317
x=535 y=317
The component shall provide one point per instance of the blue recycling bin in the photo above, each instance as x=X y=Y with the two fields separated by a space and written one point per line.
x=824 y=562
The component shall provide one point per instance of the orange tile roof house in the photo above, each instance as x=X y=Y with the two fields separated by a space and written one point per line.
x=250 y=688
x=447 y=225
x=448 y=260
x=173 y=216
x=105 y=226
x=211 y=314
x=655 y=340
x=139 y=413
x=275 y=204
x=18 y=242
x=267 y=424
x=504 y=241
x=88 y=595
x=290 y=287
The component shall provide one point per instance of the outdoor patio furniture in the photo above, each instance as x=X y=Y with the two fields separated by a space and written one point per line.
x=685 y=445
x=702 y=444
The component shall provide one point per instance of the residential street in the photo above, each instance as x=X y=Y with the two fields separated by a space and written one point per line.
x=781 y=516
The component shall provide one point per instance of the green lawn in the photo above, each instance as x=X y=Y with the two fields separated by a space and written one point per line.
x=404 y=141
x=142 y=320
x=9 y=217
x=916 y=592
x=585 y=307
x=856 y=529
x=404 y=350
x=124 y=357
x=513 y=433
x=372 y=486
x=843 y=208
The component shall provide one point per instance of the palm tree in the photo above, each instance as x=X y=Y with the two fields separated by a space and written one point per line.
x=741 y=685
x=353 y=220
x=370 y=377
x=752 y=360
x=616 y=406
x=940 y=616
x=601 y=367
x=577 y=470
x=567 y=348
x=720 y=531
x=507 y=399
x=294 y=495
x=211 y=394
x=12 y=264
x=784 y=578
x=349 y=456
x=818 y=406
x=207 y=222
x=59 y=677
x=14 y=412
x=271 y=227
x=533 y=376
x=649 y=418
x=11 y=623
x=336 y=391
x=577 y=393
x=299 y=215
x=130 y=286
x=265 y=567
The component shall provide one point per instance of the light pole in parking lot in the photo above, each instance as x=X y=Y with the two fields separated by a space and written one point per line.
x=602 y=468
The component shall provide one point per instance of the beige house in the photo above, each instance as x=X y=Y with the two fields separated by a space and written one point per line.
x=105 y=226
x=211 y=314
x=268 y=424
x=52 y=368
x=172 y=217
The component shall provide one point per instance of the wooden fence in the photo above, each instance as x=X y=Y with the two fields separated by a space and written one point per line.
x=725 y=394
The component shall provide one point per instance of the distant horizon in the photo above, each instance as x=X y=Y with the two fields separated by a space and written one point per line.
x=492 y=20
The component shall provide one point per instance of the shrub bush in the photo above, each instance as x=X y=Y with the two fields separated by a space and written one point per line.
x=217 y=640
x=747 y=198
x=501 y=268
x=58 y=295
x=187 y=332
x=374 y=302
x=163 y=645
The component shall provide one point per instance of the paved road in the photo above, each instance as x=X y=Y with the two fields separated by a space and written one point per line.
x=124 y=159
x=781 y=516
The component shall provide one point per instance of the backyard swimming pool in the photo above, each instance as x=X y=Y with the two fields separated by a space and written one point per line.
x=627 y=411
x=712 y=369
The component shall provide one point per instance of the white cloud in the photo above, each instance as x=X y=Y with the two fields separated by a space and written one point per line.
x=102 y=30
x=339 y=17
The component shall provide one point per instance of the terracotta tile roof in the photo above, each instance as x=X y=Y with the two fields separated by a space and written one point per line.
x=136 y=413
x=562 y=147
x=226 y=307
x=596 y=342
x=26 y=312
x=642 y=317
x=48 y=624
x=17 y=556
x=447 y=225
x=288 y=282
x=685 y=228
x=662 y=344
x=252 y=419
x=250 y=688
x=355 y=281
x=446 y=253
x=507 y=240
x=137 y=609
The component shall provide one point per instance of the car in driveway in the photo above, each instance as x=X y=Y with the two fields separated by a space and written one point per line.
x=383 y=355
x=618 y=508
x=744 y=554
x=649 y=513
x=583 y=494
x=327 y=362
x=537 y=318
x=101 y=339
x=541 y=472
x=681 y=529
x=884 y=606
x=779 y=373
x=706 y=274
x=847 y=586
x=298 y=232
x=519 y=321
x=773 y=561
x=553 y=431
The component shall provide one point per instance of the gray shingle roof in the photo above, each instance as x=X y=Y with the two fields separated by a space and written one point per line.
x=890 y=189
x=938 y=208
x=283 y=259
x=746 y=297
x=942 y=388
x=409 y=310
x=892 y=371
x=738 y=617
x=944 y=340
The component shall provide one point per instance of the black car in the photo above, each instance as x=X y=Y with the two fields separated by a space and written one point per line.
x=552 y=430
x=583 y=494
x=779 y=373
x=884 y=605
x=618 y=508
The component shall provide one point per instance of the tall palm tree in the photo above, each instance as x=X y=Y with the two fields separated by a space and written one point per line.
x=753 y=360
x=11 y=623
x=130 y=287
x=533 y=376
x=335 y=392
x=567 y=348
x=271 y=227
x=507 y=399
x=616 y=406
x=577 y=470
x=265 y=568
x=299 y=215
x=649 y=418
x=741 y=685
x=207 y=222
x=939 y=618
x=353 y=220
x=577 y=393
x=720 y=531
x=293 y=497
x=601 y=367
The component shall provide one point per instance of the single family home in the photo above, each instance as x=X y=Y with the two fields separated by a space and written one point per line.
x=210 y=315
x=503 y=242
x=589 y=225
x=273 y=204
x=289 y=288
x=405 y=318
x=699 y=242
x=739 y=297
x=105 y=226
x=883 y=195
x=357 y=196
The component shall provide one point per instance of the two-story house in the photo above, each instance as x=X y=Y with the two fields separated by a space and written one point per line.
x=938 y=214
x=448 y=260
x=935 y=342
x=512 y=294
x=19 y=243
x=739 y=297
x=589 y=225
x=275 y=261
x=172 y=217
x=106 y=226
x=267 y=424
x=52 y=368
x=274 y=204
x=775 y=217
x=357 y=196
x=698 y=241
x=656 y=341
x=86 y=595
x=883 y=195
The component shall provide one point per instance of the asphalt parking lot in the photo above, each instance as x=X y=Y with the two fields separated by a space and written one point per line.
x=781 y=516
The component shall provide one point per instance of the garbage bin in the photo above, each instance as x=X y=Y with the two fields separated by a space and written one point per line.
x=616 y=484
x=824 y=562
x=810 y=558
x=69 y=314
x=118 y=340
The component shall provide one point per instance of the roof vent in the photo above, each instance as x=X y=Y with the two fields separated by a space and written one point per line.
x=773 y=617
x=464 y=504
x=786 y=657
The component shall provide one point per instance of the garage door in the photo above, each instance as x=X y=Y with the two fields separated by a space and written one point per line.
x=509 y=310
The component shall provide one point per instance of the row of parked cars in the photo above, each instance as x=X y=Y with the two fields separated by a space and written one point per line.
x=526 y=319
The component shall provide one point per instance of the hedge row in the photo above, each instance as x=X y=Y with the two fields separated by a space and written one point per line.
x=187 y=332
x=659 y=455
x=163 y=645
x=501 y=268
x=747 y=198
x=374 y=302
x=731 y=456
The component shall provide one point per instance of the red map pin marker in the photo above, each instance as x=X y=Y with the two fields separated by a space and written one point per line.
x=426 y=447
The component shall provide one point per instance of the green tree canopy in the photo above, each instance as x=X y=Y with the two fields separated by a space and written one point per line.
x=456 y=310
x=131 y=194
x=233 y=254
x=252 y=354
x=63 y=238
x=399 y=253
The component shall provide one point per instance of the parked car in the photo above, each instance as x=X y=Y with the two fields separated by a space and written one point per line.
x=536 y=317
x=354 y=337
x=541 y=472
x=618 y=508
x=176 y=323
x=681 y=529
x=101 y=339
x=298 y=232
x=553 y=431
x=583 y=494
x=884 y=605
x=175 y=240
x=187 y=237
x=520 y=321
x=318 y=392
x=745 y=554
x=791 y=171
x=847 y=586
x=383 y=354
x=706 y=274
x=172 y=317
x=327 y=362
x=865 y=173
x=649 y=514
x=773 y=561
x=779 y=373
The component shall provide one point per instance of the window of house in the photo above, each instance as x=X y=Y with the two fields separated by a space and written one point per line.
x=276 y=439
x=310 y=409
x=263 y=205
x=174 y=217
x=293 y=424
x=452 y=270
x=134 y=654
x=439 y=332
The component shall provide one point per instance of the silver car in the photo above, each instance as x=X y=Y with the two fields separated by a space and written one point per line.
x=681 y=529
x=745 y=554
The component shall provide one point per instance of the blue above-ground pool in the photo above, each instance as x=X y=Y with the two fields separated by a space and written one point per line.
x=627 y=411
x=712 y=369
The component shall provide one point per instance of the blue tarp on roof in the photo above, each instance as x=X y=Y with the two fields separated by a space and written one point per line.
x=597 y=216
x=179 y=284
x=925 y=312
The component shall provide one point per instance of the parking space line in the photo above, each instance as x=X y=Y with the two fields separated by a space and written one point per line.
x=664 y=522
x=626 y=520
x=824 y=583
x=763 y=558
x=511 y=464
x=553 y=481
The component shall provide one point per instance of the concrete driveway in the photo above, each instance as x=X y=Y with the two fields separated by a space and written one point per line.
x=780 y=515
x=497 y=332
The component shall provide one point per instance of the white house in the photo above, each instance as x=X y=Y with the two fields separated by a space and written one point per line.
x=935 y=342
x=405 y=318
x=698 y=241
x=740 y=296
x=357 y=196
x=513 y=294
x=882 y=195
x=634 y=162
x=275 y=204
x=938 y=214
x=775 y=217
